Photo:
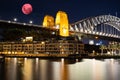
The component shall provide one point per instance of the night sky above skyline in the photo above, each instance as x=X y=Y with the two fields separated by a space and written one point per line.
x=76 y=9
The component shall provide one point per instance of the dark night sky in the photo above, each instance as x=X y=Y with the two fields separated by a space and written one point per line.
x=76 y=9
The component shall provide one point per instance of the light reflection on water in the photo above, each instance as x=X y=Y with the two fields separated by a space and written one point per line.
x=59 y=69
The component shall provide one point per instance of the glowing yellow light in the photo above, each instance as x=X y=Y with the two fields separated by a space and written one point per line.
x=29 y=39
x=96 y=37
x=48 y=21
x=42 y=42
x=62 y=21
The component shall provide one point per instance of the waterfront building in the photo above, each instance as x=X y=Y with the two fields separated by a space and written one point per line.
x=54 y=47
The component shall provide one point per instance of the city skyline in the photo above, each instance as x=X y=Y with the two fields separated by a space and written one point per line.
x=76 y=9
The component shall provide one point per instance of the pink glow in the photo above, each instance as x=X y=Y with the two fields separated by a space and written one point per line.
x=27 y=9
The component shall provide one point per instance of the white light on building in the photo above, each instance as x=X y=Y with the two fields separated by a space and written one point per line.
x=53 y=33
x=57 y=26
x=42 y=42
x=91 y=42
x=29 y=39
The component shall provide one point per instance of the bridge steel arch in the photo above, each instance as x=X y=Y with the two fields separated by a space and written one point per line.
x=89 y=25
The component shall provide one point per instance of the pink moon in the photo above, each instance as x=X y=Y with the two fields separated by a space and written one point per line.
x=27 y=8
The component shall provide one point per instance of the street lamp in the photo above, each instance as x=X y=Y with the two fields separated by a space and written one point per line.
x=24 y=23
x=15 y=19
x=9 y=21
x=30 y=21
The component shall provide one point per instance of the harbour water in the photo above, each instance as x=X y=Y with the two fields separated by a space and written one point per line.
x=59 y=69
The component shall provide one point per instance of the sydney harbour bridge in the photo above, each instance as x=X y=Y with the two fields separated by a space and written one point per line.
x=59 y=36
x=104 y=26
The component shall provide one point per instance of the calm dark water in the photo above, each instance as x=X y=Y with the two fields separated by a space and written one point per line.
x=61 y=69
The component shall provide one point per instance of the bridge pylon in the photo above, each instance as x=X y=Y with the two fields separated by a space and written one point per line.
x=48 y=21
x=62 y=22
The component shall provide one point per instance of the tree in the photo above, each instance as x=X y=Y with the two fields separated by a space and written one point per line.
x=13 y=34
x=102 y=47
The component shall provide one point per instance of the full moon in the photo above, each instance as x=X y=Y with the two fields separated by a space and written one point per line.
x=27 y=8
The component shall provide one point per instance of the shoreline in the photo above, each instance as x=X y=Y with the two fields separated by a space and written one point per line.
x=69 y=56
